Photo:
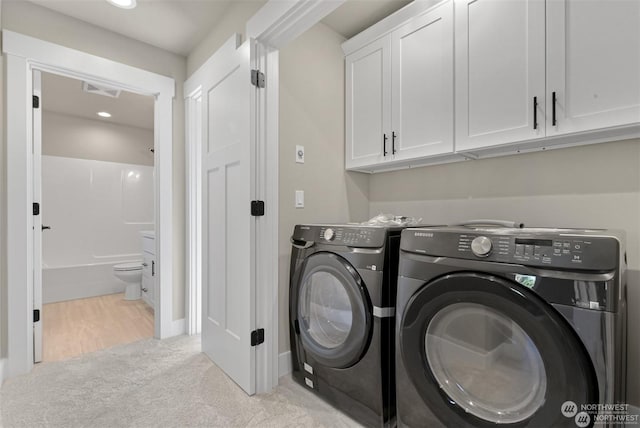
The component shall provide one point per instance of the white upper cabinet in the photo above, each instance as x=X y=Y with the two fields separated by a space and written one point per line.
x=500 y=72
x=593 y=64
x=368 y=104
x=422 y=86
x=440 y=82
x=399 y=100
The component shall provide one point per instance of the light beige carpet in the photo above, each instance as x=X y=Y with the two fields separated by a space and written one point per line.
x=153 y=383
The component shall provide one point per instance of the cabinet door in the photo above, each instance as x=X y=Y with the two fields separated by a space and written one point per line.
x=500 y=71
x=422 y=83
x=593 y=64
x=368 y=98
x=148 y=279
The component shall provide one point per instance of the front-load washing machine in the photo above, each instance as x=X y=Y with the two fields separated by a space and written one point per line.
x=342 y=295
x=513 y=327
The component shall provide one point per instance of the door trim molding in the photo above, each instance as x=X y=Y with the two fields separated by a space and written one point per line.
x=23 y=54
x=279 y=22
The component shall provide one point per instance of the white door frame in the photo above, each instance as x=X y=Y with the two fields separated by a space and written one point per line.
x=272 y=27
x=24 y=54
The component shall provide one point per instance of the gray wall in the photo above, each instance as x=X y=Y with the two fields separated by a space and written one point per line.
x=595 y=186
x=312 y=115
x=234 y=21
x=77 y=137
x=32 y=20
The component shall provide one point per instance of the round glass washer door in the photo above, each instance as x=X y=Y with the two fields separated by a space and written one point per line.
x=481 y=350
x=333 y=310
x=325 y=309
x=485 y=362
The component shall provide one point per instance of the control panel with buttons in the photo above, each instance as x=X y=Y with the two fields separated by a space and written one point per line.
x=349 y=236
x=566 y=251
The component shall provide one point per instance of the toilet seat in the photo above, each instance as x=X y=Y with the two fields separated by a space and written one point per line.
x=124 y=267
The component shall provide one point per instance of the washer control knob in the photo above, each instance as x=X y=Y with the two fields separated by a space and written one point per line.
x=481 y=246
x=329 y=234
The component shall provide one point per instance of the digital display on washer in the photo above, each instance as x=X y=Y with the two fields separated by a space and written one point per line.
x=538 y=242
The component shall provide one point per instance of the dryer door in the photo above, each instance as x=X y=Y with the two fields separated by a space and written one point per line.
x=332 y=310
x=482 y=350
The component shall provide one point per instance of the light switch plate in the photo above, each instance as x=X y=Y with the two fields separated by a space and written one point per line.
x=299 y=154
x=299 y=198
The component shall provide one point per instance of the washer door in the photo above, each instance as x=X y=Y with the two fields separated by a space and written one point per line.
x=333 y=310
x=482 y=351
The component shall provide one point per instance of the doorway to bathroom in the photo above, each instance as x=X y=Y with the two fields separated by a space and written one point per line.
x=97 y=171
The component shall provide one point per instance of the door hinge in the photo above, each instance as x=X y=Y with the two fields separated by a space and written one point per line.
x=257 y=78
x=36 y=315
x=257 y=208
x=36 y=208
x=36 y=101
x=257 y=337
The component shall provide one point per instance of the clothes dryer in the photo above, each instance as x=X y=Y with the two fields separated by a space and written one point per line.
x=509 y=326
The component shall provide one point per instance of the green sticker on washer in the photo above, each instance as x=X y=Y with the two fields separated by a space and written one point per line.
x=527 y=280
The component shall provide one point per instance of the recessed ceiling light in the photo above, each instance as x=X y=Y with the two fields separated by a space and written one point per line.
x=124 y=4
x=104 y=114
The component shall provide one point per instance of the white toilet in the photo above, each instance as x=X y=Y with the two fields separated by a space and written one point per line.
x=131 y=273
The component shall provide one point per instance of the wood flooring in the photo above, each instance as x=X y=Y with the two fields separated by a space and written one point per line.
x=80 y=326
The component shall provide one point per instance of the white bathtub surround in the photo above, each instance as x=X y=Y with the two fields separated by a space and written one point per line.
x=78 y=282
x=96 y=210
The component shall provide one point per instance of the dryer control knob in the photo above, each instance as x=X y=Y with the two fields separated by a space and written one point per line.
x=481 y=246
x=329 y=234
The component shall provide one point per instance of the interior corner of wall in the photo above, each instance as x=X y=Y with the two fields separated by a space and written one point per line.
x=285 y=366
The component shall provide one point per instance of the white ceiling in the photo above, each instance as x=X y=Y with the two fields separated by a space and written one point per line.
x=357 y=15
x=173 y=25
x=179 y=25
x=65 y=96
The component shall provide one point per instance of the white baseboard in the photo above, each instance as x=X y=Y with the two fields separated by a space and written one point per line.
x=177 y=327
x=3 y=363
x=284 y=364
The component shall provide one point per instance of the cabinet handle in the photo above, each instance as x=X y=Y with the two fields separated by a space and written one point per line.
x=535 y=112
x=393 y=142
x=384 y=144
x=553 y=109
x=153 y=268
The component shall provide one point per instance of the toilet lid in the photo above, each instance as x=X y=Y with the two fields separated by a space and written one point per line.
x=128 y=266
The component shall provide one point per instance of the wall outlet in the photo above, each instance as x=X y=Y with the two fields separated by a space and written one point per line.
x=299 y=154
x=299 y=198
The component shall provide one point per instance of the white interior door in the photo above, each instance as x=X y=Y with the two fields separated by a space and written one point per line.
x=228 y=186
x=37 y=219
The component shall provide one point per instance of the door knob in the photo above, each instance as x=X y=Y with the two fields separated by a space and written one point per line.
x=45 y=227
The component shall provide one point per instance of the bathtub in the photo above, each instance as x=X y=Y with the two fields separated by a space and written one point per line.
x=62 y=283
